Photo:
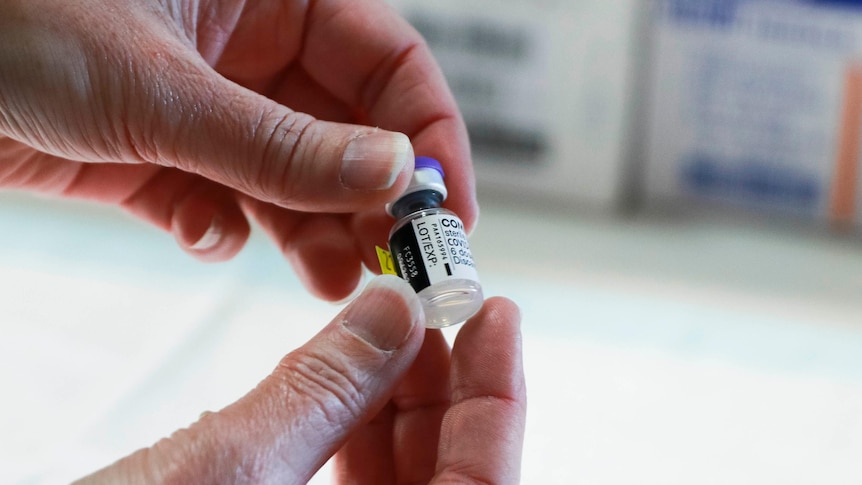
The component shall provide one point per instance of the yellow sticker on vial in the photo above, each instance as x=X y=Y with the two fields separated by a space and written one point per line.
x=387 y=265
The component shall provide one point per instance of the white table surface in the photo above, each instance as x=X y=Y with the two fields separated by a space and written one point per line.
x=656 y=352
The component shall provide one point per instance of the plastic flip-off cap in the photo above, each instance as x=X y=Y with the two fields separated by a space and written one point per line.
x=427 y=175
x=428 y=162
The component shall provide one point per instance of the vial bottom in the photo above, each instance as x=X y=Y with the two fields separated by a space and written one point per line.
x=451 y=302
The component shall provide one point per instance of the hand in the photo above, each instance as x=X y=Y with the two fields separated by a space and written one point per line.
x=393 y=407
x=194 y=114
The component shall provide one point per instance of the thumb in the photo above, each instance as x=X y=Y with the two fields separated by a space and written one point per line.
x=232 y=135
x=300 y=415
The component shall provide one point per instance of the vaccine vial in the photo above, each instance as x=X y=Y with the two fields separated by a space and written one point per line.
x=430 y=250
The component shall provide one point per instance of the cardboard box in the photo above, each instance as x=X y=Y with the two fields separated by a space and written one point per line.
x=544 y=88
x=756 y=104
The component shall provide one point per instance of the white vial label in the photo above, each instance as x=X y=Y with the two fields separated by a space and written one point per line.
x=431 y=249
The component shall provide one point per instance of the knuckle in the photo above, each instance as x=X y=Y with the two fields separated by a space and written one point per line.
x=284 y=142
x=333 y=386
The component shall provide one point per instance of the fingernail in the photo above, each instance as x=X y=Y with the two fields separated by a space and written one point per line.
x=374 y=160
x=385 y=314
x=211 y=237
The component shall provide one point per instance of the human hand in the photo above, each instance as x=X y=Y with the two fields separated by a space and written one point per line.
x=393 y=407
x=194 y=114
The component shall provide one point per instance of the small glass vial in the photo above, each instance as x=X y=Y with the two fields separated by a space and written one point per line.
x=430 y=250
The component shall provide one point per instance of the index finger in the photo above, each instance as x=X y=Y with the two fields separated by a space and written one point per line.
x=365 y=54
x=483 y=430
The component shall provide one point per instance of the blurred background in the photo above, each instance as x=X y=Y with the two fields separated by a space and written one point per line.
x=669 y=190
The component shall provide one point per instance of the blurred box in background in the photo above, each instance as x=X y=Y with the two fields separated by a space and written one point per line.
x=544 y=87
x=756 y=104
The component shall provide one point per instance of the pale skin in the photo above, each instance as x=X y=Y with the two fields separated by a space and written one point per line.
x=304 y=116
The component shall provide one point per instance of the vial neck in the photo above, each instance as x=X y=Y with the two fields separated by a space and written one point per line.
x=417 y=201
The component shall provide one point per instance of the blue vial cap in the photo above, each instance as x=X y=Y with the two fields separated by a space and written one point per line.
x=427 y=176
x=428 y=162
